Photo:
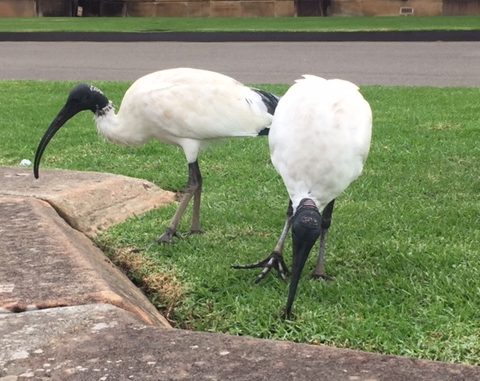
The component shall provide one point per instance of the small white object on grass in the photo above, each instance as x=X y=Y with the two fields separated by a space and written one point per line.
x=25 y=163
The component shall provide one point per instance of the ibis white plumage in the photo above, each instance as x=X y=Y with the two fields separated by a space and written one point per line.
x=319 y=141
x=182 y=106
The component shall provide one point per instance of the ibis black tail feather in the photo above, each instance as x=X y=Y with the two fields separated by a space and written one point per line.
x=270 y=101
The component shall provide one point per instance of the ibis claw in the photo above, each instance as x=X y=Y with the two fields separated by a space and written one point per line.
x=167 y=237
x=273 y=261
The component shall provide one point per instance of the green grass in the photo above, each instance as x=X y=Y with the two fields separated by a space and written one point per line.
x=168 y=24
x=403 y=245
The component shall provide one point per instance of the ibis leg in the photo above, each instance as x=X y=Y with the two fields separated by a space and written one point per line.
x=275 y=259
x=194 y=186
x=319 y=272
x=197 y=194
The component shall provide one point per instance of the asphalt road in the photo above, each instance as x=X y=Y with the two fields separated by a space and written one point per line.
x=365 y=63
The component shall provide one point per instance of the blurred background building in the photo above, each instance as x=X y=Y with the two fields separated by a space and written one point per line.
x=236 y=8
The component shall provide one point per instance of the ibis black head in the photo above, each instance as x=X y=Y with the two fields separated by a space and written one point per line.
x=82 y=97
x=306 y=225
x=86 y=97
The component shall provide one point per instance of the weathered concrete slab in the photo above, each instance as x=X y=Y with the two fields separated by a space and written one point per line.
x=45 y=263
x=102 y=342
x=23 y=334
x=88 y=201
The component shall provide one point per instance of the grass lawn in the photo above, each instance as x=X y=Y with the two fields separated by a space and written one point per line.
x=403 y=244
x=169 y=24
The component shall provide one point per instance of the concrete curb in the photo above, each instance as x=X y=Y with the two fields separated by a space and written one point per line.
x=89 y=201
x=103 y=342
x=378 y=36
x=45 y=263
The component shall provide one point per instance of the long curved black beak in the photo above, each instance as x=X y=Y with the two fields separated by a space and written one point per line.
x=305 y=232
x=67 y=112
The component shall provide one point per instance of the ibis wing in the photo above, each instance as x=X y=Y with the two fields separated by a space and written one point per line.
x=193 y=104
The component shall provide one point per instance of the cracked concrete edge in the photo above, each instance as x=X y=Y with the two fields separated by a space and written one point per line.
x=71 y=270
x=85 y=203
x=90 y=202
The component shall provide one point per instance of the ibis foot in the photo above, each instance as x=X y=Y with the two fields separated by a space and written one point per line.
x=324 y=277
x=273 y=261
x=196 y=231
x=285 y=315
x=167 y=237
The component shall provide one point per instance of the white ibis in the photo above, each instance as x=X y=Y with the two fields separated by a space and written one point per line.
x=181 y=106
x=319 y=141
